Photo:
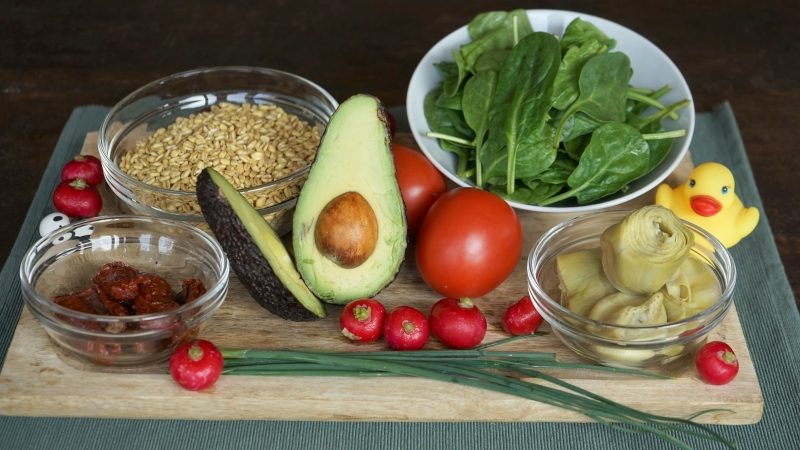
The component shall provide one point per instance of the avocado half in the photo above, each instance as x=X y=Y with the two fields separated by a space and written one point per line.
x=349 y=227
x=255 y=251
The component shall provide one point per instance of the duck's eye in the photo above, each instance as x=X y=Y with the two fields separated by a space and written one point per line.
x=724 y=190
x=692 y=183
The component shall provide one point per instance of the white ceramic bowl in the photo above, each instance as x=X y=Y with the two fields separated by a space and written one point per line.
x=651 y=69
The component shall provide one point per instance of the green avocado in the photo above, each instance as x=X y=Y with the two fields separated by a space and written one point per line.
x=349 y=228
x=255 y=251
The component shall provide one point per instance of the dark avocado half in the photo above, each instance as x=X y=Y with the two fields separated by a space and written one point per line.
x=255 y=251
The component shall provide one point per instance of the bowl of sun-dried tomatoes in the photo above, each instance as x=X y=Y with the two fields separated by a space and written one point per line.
x=124 y=290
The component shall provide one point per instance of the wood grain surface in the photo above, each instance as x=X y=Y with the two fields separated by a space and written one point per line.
x=38 y=379
x=57 y=55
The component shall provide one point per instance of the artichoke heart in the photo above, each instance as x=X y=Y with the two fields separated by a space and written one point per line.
x=642 y=252
x=692 y=289
x=630 y=311
x=581 y=280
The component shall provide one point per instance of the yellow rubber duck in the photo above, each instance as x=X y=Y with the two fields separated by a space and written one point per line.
x=708 y=200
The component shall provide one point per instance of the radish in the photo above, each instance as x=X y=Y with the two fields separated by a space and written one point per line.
x=86 y=167
x=522 y=317
x=362 y=320
x=405 y=328
x=77 y=198
x=196 y=365
x=457 y=323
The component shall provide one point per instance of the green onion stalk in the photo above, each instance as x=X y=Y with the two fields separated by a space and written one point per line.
x=481 y=368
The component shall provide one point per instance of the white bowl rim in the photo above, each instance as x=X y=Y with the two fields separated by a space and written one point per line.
x=415 y=123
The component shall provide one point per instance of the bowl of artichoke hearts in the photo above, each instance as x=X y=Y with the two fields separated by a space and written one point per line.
x=638 y=288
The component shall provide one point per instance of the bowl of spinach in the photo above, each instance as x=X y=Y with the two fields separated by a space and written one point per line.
x=555 y=111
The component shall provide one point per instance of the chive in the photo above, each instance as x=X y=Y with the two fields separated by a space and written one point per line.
x=479 y=368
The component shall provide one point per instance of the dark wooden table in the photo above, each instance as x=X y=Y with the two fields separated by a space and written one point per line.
x=57 y=55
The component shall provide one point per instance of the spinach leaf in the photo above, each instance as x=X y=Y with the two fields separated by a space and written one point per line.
x=514 y=27
x=565 y=87
x=557 y=173
x=478 y=93
x=446 y=101
x=520 y=105
x=603 y=87
x=616 y=155
x=453 y=73
x=444 y=120
x=579 y=31
x=492 y=60
x=537 y=156
x=574 y=148
x=485 y=22
x=533 y=193
x=578 y=125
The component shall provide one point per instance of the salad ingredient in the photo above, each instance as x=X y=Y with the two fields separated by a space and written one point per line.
x=86 y=167
x=196 y=365
x=405 y=328
x=420 y=184
x=367 y=239
x=469 y=243
x=255 y=251
x=581 y=280
x=518 y=111
x=716 y=363
x=644 y=250
x=482 y=368
x=121 y=290
x=77 y=198
x=362 y=320
x=514 y=101
x=457 y=323
x=522 y=318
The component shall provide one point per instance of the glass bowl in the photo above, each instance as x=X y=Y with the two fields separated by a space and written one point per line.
x=66 y=260
x=658 y=346
x=160 y=103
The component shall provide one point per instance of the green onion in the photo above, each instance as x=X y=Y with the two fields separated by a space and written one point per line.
x=498 y=371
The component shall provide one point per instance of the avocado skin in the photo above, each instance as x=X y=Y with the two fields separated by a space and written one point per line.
x=245 y=258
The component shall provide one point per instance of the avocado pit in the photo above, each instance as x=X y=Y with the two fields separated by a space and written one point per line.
x=346 y=231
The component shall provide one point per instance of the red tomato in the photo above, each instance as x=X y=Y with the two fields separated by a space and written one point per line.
x=420 y=184
x=469 y=242
x=716 y=363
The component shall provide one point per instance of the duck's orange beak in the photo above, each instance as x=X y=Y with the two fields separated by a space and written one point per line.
x=705 y=205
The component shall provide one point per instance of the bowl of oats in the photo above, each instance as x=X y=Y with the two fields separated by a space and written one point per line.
x=259 y=127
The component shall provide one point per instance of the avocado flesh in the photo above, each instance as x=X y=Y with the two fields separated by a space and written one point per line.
x=354 y=156
x=255 y=251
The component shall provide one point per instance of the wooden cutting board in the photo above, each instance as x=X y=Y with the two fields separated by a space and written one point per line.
x=39 y=380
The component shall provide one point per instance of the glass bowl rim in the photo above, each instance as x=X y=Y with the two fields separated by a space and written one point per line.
x=105 y=146
x=37 y=302
x=565 y=317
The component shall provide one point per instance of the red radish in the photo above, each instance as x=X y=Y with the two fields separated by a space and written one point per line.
x=405 y=328
x=196 y=365
x=457 y=323
x=86 y=167
x=76 y=198
x=362 y=320
x=522 y=317
x=716 y=363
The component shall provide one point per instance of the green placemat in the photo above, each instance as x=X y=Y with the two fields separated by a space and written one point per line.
x=764 y=302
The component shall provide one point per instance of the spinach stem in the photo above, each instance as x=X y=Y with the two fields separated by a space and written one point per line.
x=664 y=135
x=661 y=114
x=650 y=101
x=447 y=137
